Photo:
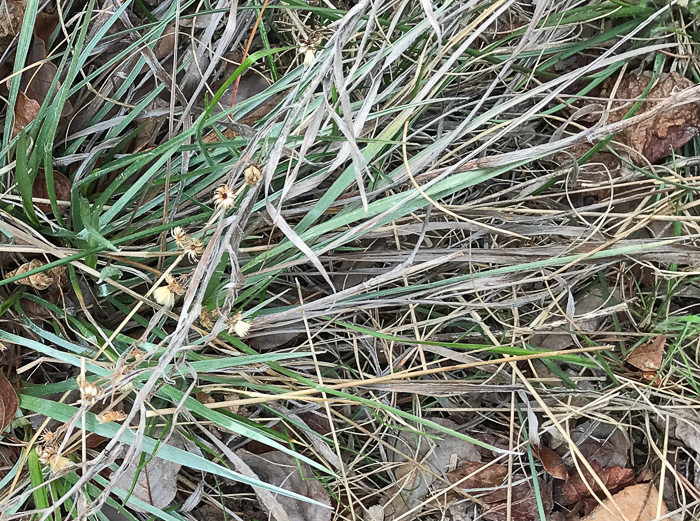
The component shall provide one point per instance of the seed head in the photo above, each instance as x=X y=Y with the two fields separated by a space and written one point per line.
x=47 y=438
x=46 y=453
x=111 y=416
x=224 y=197
x=89 y=393
x=309 y=55
x=58 y=463
x=207 y=318
x=252 y=175
x=194 y=248
x=165 y=295
x=239 y=326
x=180 y=236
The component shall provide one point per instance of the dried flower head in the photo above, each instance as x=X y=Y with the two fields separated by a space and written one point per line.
x=165 y=295
x=46 y=453
x=47 y=438
x=252 y=175
x=207 y=318
x=89 y=393
x=236 y=324
x=180 y=236
x=224 y=197
x=111 y=416
x=194 y=248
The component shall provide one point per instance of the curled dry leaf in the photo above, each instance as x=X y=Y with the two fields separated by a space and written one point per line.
x=614 y=478
x=35 y=84
x=606 y=444
x=8 y=402
x=552 y=462
x=649 y=355
x=62 y=186
x=436 y=455
x=638 y=503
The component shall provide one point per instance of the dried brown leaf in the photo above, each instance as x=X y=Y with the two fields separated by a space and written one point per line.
x=166 y=43
x=44 y=25
x=40 y=281
x=552 y=462
x=523 y=502
x=654 y=138
x=638 y=503
x=282 y=470
x=62 y=187
x=435 y=457
x=26 y=109
x=648 y=356
x=156 y=482
x=491 y=476
x=8 y=402
x=614 y=478
x=11 y=15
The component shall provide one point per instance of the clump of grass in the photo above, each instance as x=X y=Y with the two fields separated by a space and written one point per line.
x=386 y=210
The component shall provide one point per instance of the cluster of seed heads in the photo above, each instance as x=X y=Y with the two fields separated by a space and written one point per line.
x=40 y=281
x=236 y=324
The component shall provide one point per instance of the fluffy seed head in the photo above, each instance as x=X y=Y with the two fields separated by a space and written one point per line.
x=238 y=326
x=165 y=295
x=58 y=463
x=309 y=55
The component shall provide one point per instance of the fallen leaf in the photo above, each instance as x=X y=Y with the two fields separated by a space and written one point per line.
x=653 y=138
x=62 y=187
x=282 y=470
x=523 y=502
x=606 y=444
x=11 y=15
x=648 y=356
x=491 y=476
x=638 y=503
x=435 y=456
x=8 y=402
x=614 y=478
x=35 y=83
x=552 y=462
x=585 y=305
x=689 y=433
x=166 y=43
x=26 y=109
x=44 y=26
x=156 y=482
